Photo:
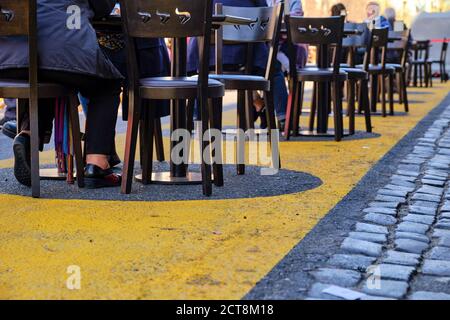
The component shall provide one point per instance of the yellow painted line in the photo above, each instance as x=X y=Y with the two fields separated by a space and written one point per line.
x=185 y=249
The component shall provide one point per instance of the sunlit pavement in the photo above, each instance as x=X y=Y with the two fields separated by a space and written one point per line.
x=217 y=248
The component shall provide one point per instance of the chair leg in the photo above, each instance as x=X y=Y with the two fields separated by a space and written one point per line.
x=430 y=74
x=415 y=82
x=215 y=114
x=296 y=117
x=76 y=137
x=373 y=93
x=312 y=114
x=159 y=144
x=382 y=81
x=404 y=91
x=290 y=106
x=365 y=104
x=249 y=110
x=205 y=141
x=391 y=94
x=240 y=145
x=398 y=78
x=134 y=114
x=147 y=138
x=351 y=105
x=270 y=114
x=337 y=110
x=190 y=114
x=34 y=136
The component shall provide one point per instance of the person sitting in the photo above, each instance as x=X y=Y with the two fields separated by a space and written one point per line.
x=8 y=124
x=338 y=10
x=374 y=18
x=71 y=57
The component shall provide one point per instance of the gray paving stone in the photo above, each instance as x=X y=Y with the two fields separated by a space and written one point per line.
x=412 y=236
x=427 y=204
x=446 y=207
x=407 y=173
x=366 y=227
x=403 y=178
x=430 y=190
x=438 y=233
x=435 y=172
x=438 y=165
x=339 y=277
x=395 y=272
x=377 y=204
x=362 y=247
x=387 y=288
x=434 y=177
x=381 y=219
x=409 y=167
x=393 y=193
x=383 y=198
x=424 y=295
x=445 y=215
x=440 y=253
x=371 y=237
x=411 y=246
x=417 y=161
x=402 y=183
x=436 y=268
x=419 y=218
x=422 y=210
x=370 y=298
x=381 y=210
x=351 y=261
x=434 y=183
x=400 y=188
x=316 y=292
x=426 y=197
x=444 y=242
x=412 y=227
x=443 y=224
x=402 y=258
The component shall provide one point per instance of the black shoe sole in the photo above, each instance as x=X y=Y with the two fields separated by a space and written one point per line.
x=96 y=183
x=8 y=133
x=22 y=170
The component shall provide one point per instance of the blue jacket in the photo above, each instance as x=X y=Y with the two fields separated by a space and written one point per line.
x=232 y=54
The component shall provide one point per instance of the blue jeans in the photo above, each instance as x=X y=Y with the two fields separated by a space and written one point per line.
x=10 y=111
x=280 y=93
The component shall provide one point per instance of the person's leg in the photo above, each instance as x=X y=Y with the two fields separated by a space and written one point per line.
x=10 y=111
x=280 y=95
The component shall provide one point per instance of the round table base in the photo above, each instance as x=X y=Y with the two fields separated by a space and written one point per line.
x=51 y=174
x=192 y=178
x=329 y=133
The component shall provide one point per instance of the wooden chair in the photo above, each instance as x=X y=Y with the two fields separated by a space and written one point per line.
x=401 y=69
x=19 y=18
x=176 y=19
x=379 y=71
x=442 y=61
x=323 y=33
x=265 y=30
x=421 y=64
x=356 y=75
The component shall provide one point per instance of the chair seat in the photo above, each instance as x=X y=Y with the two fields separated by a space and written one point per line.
x=242 y=82
x=345 y=65
x=20 y=89
x=320 y=75
x=377 y=69
x=420 y=61
x=165 y=88
x=396 y=66
x=356 y=74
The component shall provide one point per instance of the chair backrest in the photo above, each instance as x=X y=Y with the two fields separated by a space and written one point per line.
x=401 y=45
x=266 y=29
x=19 y=18
x=444 y=50
x=323 y=32
x=422 y=49
x=379 y=42
x=176 y=19
x=357 y=40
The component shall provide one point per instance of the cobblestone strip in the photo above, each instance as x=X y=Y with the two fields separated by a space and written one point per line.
x=403 y=239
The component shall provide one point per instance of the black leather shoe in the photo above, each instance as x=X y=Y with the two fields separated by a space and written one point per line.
x=95 y=177
x=22 y=167
x=10 y=129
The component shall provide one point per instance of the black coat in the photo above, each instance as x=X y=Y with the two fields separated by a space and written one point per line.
x=61 y=48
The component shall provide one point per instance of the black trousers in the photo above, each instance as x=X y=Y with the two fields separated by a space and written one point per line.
x=104 y=100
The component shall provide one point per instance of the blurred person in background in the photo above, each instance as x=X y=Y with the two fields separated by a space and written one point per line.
x=8 y=124
x=374 y=17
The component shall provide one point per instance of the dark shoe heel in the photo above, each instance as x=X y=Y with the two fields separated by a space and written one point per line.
x=22 y=170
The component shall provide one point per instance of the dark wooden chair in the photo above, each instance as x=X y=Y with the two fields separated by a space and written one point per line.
x=379 y=71
x=19 y=18
x=401 y=69
x=421 y=64
x=266 y=29
x=357 y=76
x=323 y=33
x=442 y=61
x=177 y=19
